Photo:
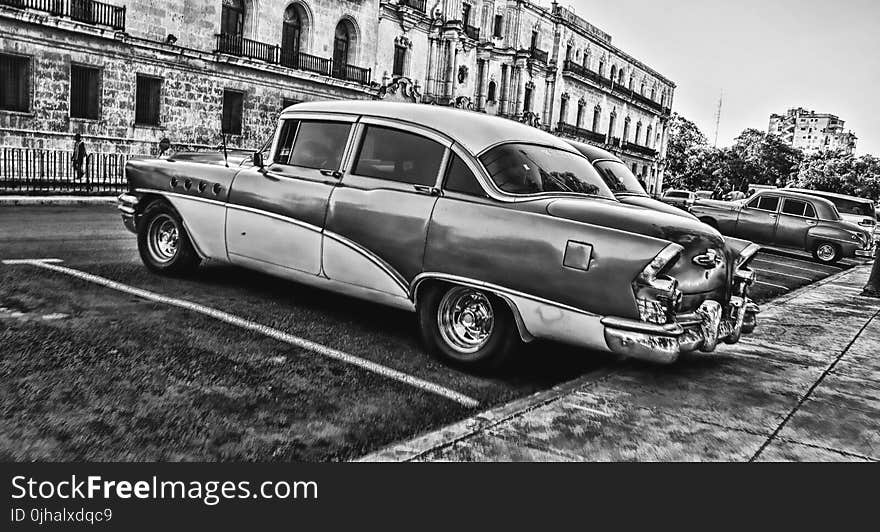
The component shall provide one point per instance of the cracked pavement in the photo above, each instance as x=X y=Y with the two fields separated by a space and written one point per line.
x=804 y=387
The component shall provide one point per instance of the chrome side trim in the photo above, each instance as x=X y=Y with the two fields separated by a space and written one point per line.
x=369 y=255
x=279 y=217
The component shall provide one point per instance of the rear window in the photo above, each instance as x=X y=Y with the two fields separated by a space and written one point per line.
x=530 y=169
x=619 y=178
x=677 y=194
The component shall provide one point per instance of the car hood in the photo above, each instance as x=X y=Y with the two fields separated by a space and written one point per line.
x=697 y=238
x=655 y=205
x=232 y=158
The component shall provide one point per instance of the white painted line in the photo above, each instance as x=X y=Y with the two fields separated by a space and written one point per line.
x=784 y=265
x=773 y=285
x=590 y=410
x=259 y=328
x=784 y=274
x=31 y=261
x=814 y=263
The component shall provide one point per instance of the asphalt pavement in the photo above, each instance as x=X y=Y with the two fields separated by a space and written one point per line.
x=229 y=364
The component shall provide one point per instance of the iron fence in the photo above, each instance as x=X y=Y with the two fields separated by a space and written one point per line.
x=40 y=171
x=87 y=11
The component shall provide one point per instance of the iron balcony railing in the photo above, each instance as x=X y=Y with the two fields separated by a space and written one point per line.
x=539 y=55
x=638 y=148
x=581 y=133
x=473 y=32
x=271 y=53
x=418 y=5
x=304 y=61
x=87 y=11
x=580 y=70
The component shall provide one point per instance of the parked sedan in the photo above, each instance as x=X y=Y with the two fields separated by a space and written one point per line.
x=859 y=211
x=784 y=218
x=683 y=199
x=495 y=233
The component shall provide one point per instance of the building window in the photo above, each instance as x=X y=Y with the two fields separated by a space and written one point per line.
x=601 y=67
x=653 y=93
x=232 y=17
x=342 y=48
x=499 y=27
x=14 y=83
x=527 y=100
x=613 y=72
x=491 y=95
x=611 y=124
x=587 y=59
x=635 y=169
x=84 y=92
x=648 y=137
x=580 y=115
x=399 y=59
x=597 y=116
x=292 y=35
x=147 y=95
x=568 y=53
x=626 y=123
x=233 y=104
x=620 y=77
x=638 y=132
x=465 y=14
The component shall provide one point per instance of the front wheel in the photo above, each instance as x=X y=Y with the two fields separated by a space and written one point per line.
x=163 y=243
x=467 y=327
x=826 y=253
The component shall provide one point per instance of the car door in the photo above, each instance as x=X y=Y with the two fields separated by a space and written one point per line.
x=276 y=214
x=796 y=218
x=377 y=221
x=757 y=219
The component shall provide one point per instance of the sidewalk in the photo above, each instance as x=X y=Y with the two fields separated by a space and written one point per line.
x=58 y=200
x=805 y=386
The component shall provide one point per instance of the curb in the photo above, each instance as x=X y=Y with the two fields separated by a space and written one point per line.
x=421 y=445
x=56 y=200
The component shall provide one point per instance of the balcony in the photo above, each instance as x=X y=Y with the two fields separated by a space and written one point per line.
x=418 y=5
x=472 y=32
x=641 y=150
x=539 y=55
x=86 y=11
x=271 y=53
x=580 y=133
x=579 y=70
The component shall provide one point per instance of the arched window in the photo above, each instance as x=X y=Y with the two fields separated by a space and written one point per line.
x=620 y=75
x=638 y=132
x=491 y=96
x=613 y=72
x=663 y=99
x=292 y=34
x=642 y=88
x=648 y=139
x=232 y=18
x=597 y=116
x=631 y=81
x=587 y=59
x=601 y=67
x=653 y=93
x=527 y=99
x=611 y=124
x=342 y=41
x=626 y=122
x=580 y=115
x=563 y=108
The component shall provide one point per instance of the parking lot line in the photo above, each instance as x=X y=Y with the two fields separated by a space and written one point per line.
x=805 y=261
x=52 y=264
x=783 y=274
x=783 y=264
x=773 y=285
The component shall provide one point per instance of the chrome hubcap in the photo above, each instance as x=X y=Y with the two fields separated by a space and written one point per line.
x=826 y=252
x=465 y=319
x=163 y=237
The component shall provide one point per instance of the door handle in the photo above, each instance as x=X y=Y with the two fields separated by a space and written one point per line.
x=774 y=216
x=427 y=190
x=810 y=222
x=332 y=173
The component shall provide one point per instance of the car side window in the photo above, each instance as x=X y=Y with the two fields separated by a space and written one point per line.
x=810 y=211
x=794 y=207
x=395 y=155
x=459 y=178
x=285 y=142
x=765 y=203
x=319 y=145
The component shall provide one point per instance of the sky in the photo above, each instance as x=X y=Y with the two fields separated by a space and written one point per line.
x=765 y=55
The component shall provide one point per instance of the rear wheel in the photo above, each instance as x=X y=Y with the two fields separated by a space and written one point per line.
x=163 y=243
x=826 y=252
x=467 y=327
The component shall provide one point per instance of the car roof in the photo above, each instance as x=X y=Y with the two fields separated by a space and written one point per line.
x=828 y=194
x=474 y=131
x=592 y=153
x=826 y=206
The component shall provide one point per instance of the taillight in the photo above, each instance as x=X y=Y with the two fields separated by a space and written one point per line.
x=657 y=295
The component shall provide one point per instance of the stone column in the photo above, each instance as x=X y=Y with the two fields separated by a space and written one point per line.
x=453 y=73
x=520 y=90
x=545 y=108
x=502 y=91
x=511 y=90
x=484 y=86
x=429 y=83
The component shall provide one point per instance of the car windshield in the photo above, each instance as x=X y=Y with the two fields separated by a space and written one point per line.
x=530 y=169
x=677 y=194
x=619 y=178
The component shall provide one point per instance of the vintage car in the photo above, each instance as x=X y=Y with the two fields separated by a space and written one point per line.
x=622 y=182
x=784 y=218
x=859 y=211
x=683 y=199
x=495 y=233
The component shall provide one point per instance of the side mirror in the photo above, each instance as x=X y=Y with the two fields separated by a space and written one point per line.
x=258 y=160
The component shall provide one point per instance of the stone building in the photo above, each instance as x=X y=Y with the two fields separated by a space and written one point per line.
x=812 y=132
x=126 y=73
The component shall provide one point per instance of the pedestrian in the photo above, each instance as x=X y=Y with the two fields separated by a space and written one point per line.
x=165 y=150
x=79 y=159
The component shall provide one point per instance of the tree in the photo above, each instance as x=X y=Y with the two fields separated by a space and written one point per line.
x=757 y=157
x=842 y=173
x=684 y=138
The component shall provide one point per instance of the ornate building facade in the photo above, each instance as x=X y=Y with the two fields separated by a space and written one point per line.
x=125 y=73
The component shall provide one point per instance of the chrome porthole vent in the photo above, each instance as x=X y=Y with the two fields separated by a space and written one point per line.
x=217 y=189
x=203 y=186
x=174 y=182
x=187 y=184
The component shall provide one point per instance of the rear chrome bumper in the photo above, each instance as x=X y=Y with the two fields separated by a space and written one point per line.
x=701 y=330
x=867 y=253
